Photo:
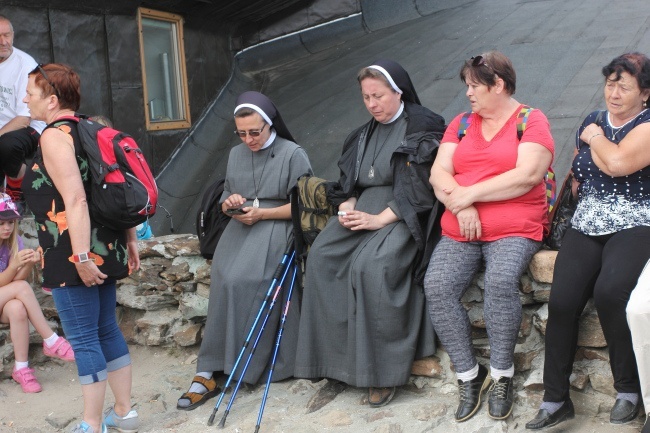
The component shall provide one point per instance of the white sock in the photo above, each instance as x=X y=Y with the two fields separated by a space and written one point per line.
x=497 y=374
x=197 y=387
x=468 y=375
x=18 y=365
x=49 y=342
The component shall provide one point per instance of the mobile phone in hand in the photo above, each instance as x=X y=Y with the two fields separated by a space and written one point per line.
x=235 y=211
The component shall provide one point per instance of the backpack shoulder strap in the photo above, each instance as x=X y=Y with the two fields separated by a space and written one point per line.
x=522 y=119
x=299 y=242
x=62 y=120
x=463 y=126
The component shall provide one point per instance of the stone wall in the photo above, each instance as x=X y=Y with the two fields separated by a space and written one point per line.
x=166 y=301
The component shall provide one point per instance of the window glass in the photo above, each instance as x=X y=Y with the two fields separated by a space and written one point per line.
x=163 y=70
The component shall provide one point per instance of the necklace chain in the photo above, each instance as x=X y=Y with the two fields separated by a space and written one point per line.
x=375 y=153
x=256 y=202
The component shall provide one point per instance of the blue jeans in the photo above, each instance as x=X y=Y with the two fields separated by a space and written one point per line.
x=88 y=318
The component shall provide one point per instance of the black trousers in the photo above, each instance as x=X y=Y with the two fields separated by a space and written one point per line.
x=16 y=148
x=607 y=268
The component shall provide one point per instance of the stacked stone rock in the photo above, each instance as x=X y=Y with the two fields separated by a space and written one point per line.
x=166 y=301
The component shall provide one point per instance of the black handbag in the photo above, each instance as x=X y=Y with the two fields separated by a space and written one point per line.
x=565 y=207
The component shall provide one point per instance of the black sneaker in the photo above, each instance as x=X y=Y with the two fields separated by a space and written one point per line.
x=500 y=397
x=646 y=427
x=470 y=394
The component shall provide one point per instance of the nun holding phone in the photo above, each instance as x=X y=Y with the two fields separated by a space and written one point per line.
x=261 y=171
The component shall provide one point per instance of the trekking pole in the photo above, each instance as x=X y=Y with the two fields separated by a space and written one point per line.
x=222 y=423
x=277 y=348
x=282 y=270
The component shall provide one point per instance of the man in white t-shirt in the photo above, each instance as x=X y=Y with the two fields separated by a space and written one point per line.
x=18 y=133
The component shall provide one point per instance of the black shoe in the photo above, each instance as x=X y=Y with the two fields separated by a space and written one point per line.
x=624 y=411
x=546 y=419
x=500 y=397
x=646 y=427
x=470 y=394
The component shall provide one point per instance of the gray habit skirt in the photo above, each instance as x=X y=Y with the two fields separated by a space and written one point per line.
x=363 y=320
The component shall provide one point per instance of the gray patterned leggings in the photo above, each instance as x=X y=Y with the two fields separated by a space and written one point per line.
x=451 y=269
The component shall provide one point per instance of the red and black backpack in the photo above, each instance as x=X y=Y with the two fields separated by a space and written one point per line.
x=123 y=191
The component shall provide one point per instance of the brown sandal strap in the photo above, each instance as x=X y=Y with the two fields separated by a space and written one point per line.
x=209 y=384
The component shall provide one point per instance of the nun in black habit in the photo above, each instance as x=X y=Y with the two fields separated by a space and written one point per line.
x=261 y=171
x=363 y=318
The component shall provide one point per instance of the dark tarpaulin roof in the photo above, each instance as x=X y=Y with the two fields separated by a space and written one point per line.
x=243 y=12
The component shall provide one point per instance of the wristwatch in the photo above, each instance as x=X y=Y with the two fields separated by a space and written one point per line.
x=80 y=258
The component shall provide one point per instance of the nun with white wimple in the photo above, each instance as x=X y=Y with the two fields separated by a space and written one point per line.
x=261 y=171
x=363 y=318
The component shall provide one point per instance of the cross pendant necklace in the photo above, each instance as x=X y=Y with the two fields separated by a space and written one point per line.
x=371 y=172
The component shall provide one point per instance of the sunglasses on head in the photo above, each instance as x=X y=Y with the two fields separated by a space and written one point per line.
x=479 y=61
x=40 y=69
x=251 y=132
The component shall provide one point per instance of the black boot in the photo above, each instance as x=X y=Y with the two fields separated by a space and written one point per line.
x=546 y=419
x=470 y=394
x=500 y=397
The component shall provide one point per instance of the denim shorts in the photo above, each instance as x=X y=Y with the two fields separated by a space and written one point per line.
x=88 y=318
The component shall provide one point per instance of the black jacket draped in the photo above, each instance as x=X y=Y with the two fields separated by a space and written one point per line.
x=411 y=165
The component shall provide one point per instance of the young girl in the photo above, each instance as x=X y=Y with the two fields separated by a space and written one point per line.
x=18 y=305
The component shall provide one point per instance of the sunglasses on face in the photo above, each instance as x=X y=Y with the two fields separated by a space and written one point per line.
x=251 y=132
x=42 y=71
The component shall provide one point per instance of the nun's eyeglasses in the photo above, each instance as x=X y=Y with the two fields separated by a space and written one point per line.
x=479 y=61
x=251 y=132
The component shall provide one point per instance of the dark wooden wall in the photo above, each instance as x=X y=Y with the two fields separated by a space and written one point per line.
x=103 y=47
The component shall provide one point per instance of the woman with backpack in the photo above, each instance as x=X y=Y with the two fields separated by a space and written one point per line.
x=491 y=181
x=363 y=317
x=81 y=259
x=260 y=173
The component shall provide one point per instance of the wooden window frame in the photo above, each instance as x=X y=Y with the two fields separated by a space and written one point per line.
x=178 y=20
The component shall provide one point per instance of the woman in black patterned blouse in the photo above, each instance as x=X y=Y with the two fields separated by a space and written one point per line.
x=604 y=252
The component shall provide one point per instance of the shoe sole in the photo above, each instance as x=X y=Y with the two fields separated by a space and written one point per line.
x=486 y=383
x=122 y=430
x=565 y=417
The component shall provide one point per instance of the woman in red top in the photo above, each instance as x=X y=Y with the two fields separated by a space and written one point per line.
x=491 y=181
